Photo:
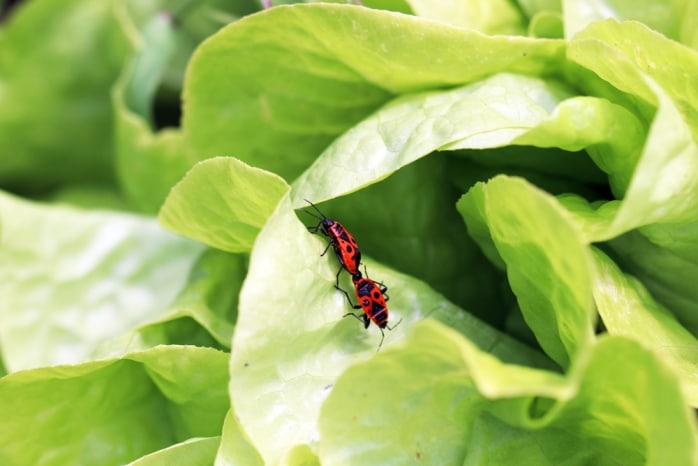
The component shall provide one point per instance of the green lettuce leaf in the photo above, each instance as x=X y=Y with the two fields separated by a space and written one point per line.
x=222 y=202
x=235 y=447
x=661 y=201
x=627 y=309
x=547 y=262
x=610 y=49
x=501 y=110
x=71 y=279
x=313 y=82
x=438 y=399
x=113 y=411
x=203 y=313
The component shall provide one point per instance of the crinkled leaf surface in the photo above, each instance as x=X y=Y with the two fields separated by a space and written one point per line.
x=291 y=343
x=665 y=259
x=202 y=314
x=383 y=410
x=624 y=53
x=611 y=135
x=547 y=262
x=627 y=309
x=112 y=411
x=664 y=186
x=662 y=201
x=70 y=279
x=504 y=109
x=222 y=202
x=332 y=66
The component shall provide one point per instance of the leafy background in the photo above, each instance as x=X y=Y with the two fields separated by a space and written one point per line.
x=522 y=175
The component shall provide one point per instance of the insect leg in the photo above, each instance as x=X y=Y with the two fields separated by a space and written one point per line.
x=398 y=323
x=353 y=306
x=382 y=338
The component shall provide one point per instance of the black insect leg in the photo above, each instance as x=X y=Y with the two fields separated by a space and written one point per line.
x=353 y=306
x=398 y=323
x=337 y=281
x=363 y=318
x=382 y=338
x=325 y=251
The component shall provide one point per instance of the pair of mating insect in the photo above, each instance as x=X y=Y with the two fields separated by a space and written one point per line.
x=372 y=296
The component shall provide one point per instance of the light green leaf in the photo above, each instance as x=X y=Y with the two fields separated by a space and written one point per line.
x=223 y=203
x=333 y=66
x=689 y=31
x=547 y=262
x=466 y=407
x=627 y=309
x=662 y=201
x=664 y=186
x=533 y=7
x=663 y=17
x=504 y=109
x=235 y=447
x=490 y=113
x=624 y=54
x=192 y=452
x=591 y=219
x=71 y=279
x=664 y=258
x=112 y=411
x=289 y=299
x=301 y=455
x=547 y=24
x=489 y=17
x=203 y=313
x=611 y=135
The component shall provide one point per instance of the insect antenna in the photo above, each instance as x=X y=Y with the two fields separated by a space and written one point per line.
x=321 y=216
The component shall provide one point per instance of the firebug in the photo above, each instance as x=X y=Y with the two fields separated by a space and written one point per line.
x=343 y=243
x=372 y=297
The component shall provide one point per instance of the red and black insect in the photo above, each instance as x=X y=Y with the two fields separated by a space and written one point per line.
x=343 y=243
x=373 y=298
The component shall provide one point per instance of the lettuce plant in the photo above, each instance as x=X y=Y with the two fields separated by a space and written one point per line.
x=523 y=176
